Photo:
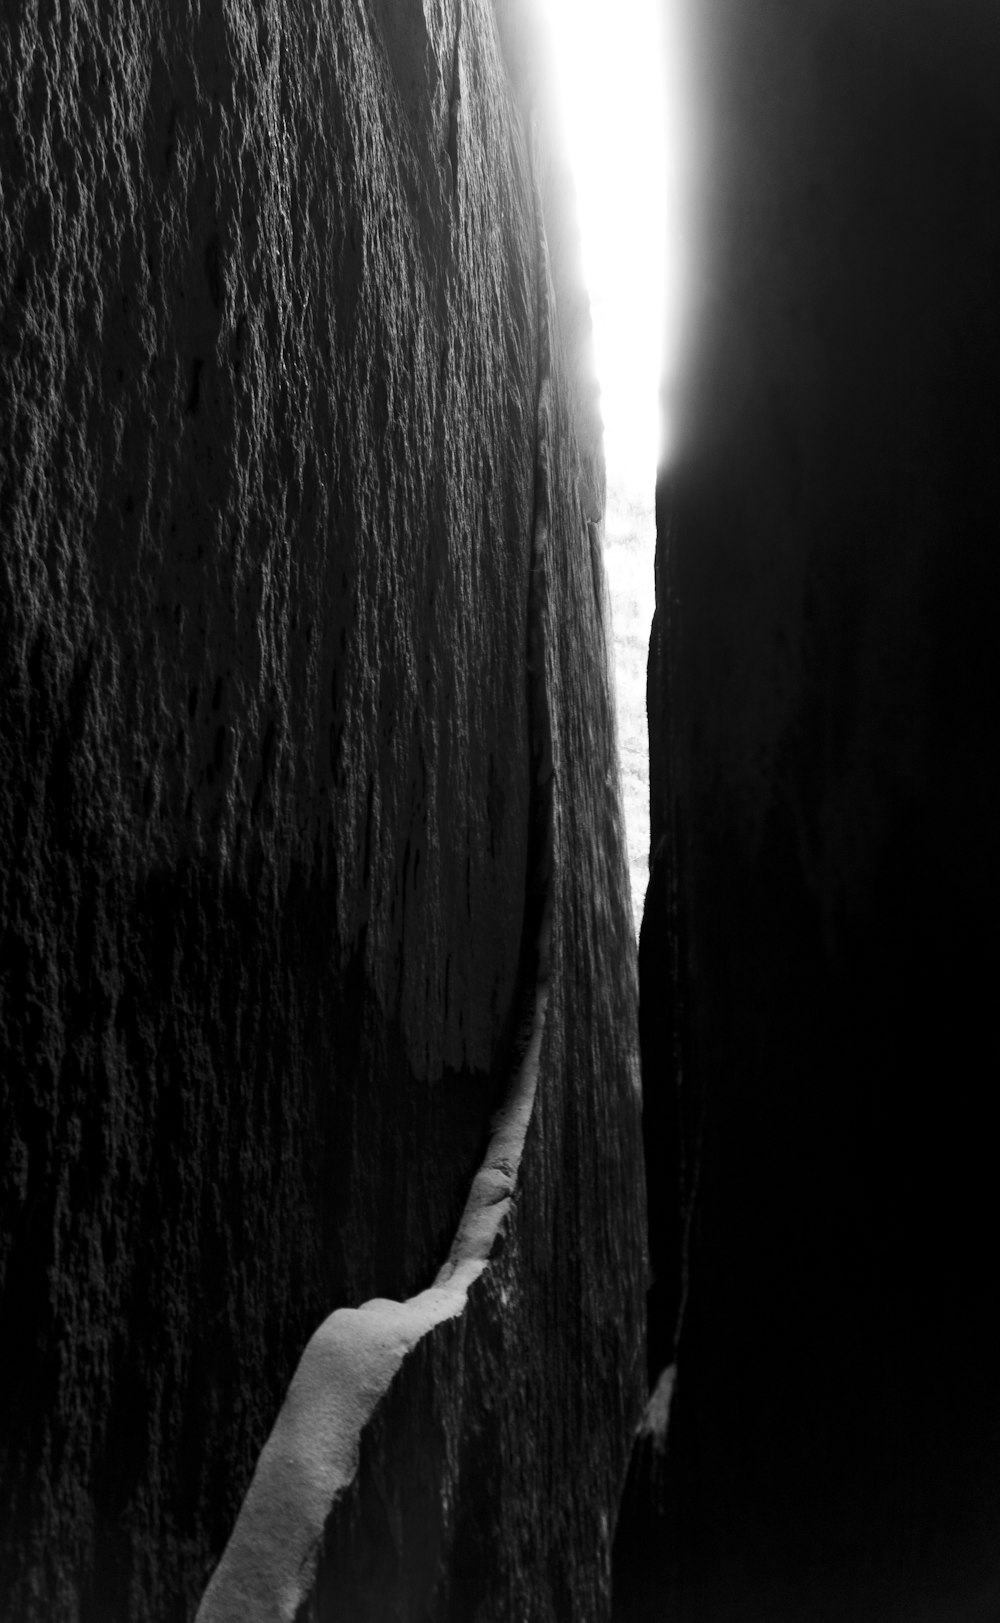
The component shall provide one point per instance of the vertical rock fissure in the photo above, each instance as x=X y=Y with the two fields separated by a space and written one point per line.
x=677 y=1116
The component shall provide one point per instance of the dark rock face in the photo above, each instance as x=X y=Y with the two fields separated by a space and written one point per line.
x=816 y=994
x=268 y=423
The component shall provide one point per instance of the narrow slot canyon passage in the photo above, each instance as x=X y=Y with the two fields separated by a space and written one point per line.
x=620 y=93
x=361 y=964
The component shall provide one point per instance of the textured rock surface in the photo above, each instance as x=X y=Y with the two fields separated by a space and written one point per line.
x=402 y=1478
x=267 y=428
x=819 y=1051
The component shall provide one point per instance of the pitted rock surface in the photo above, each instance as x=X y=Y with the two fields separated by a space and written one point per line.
x=267 y=478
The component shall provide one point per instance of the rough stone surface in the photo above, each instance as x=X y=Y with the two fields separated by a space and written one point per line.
x=268 y=401
x=400 y=1481
x=817 y=997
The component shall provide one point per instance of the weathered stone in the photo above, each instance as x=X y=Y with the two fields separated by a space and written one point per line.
x=268 y=413
x=818 y=965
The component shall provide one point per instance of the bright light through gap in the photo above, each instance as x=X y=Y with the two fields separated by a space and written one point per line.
x=621 y=113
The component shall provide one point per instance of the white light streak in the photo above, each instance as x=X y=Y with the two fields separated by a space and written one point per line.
x=622 y=110
x=619 y=87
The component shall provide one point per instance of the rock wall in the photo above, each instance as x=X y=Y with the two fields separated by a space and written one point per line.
x=817 y=1002
x=269 y=413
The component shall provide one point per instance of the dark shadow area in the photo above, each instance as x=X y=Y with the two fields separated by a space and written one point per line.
x=818 y=1001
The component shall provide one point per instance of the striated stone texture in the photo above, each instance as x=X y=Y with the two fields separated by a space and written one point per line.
x=409 y=1474
x=268 y=419
x=817 y=985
